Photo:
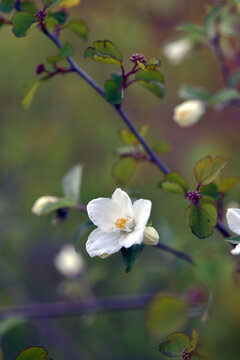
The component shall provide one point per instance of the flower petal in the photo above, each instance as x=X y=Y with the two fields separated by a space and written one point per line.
x=236 y=250
x=233 y=220
x=141 y=212
x=124 y=201
x=133 y=238
x=100 y=242
x=103 y=213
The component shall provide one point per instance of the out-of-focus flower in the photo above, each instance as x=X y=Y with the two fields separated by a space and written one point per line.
x=233 y=220
x=176 y=51
x=69 y=262
x=120 y=223
x=43 y=201
x=151 y=236
x=189 y=112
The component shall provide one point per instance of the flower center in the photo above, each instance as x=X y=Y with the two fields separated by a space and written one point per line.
x=121 y=223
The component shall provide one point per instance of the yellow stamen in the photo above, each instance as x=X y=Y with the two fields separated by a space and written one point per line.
x=121 y=223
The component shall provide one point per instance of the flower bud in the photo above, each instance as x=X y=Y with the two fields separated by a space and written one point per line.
x=189 y=112
x=43 y=201
x=104 y=256
x=151 y=236
x=176 y=51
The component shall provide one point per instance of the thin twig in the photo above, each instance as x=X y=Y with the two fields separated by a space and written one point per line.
x=175 y=252
x=221 y=58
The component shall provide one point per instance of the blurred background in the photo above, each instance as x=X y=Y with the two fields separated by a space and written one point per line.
x=69 y=123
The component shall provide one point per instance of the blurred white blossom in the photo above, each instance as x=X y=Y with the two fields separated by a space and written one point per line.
x=120 y=223
x=69 y=262
x=233 y=220
x=43 y=201
x=176 y=51
x=189 y=112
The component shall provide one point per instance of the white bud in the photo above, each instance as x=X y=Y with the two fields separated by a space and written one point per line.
x=68 y=262
x=151 y=236
x=104 y=256
x=189 y=112
x=43 y=201
x=176 y=51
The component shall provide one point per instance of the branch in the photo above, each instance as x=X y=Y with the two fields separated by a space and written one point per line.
x=221 y=58
x=177 y=253
x=73 y=308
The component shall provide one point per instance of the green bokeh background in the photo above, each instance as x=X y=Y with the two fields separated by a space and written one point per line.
x=69 y=123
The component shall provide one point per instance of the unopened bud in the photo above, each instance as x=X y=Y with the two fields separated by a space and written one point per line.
x=151 y=236
x=43 y=201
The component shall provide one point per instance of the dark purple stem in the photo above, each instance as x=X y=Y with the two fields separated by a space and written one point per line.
x=174 y=252
x=221 y=58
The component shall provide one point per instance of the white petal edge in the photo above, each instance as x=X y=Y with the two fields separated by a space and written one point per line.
x=124 y=202
x=133 y=238
x=233 y=220
x=141 y=212
x=104 y=212
x=100 y=242
x=236 y=250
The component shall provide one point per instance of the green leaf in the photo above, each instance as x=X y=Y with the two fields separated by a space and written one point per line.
x=21 y=23
x=104 y=51
x=114 y=95
x=80 y=232
x=192 y=31
x=227 y=183
x=235 y=240
x=224 y=96
x=117 y=78
x=60 y=16
x=165 y=315
x=194 y=340
x=175 y=344
x=211 y=190
x=129 y=138
x=33 y=353
x=29 y=7
x=161 y=146
x=151 y=64
x=65 y=202
x=65 y=51
x=71 y=182
x=123 y=169
x=174 y=182
x=202 y=219
x=78 y=27
x=194 y=92
x=54 y=59
x=210 y=21
x=29 y=92
x=131 y=255
x=50 y=3
x=7 y=325
x=151 y=80
x=208 y=169
x=6 y=6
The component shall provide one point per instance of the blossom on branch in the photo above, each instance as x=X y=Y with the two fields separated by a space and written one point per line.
x=176 y=51
x=120 y=223
x=68 y=262
x=189 y=112
x=233 y=220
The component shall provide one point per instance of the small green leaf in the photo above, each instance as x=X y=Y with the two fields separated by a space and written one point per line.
x=192 y=31
x=211 y=190
x=227 y=183
x=80 y=232
x=123 y=169
x=29 y=7
x=104 y=51
x=194 y=92
x=9 y=324
x=131 y=255
x=174 y=182
x=224 y=96
x=22 y=21
x=65 y=51
x=117 y=78
x=151 y=80
x=208 y=169
x=71 y=182
x=129 y=138
x=175 y=344
x=53 y=59
x=235 y=240
x=165 y=315
x=202 y=219
x=33 y=353
x=194 y=340
x=172 y=187
x=114 y=95
x=6 y=6
x=78 y=27
x=151 y=64
x=29 y=92
x=60 y=16
x=50 y=3
x=210 y=21
x=161 y=146
x=65 y=202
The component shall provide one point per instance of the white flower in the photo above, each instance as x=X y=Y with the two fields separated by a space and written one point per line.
x=43 y=201
x=68 y=262
x=233 y=220
x=189 y=112
x=120 y=223
x=151 y=236
x=176 y=51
